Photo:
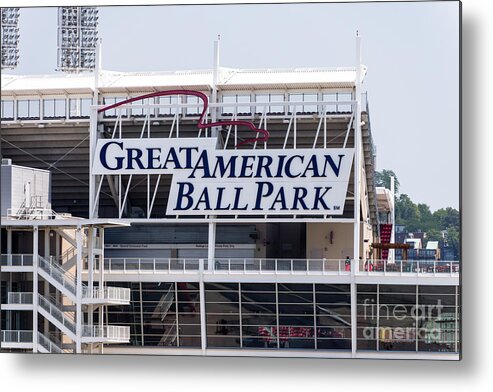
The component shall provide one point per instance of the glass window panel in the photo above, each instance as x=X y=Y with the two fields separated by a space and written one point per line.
x=310 y=98
x=221 y=287
x=48 y=108
x=60 y=105
x=222 y=307
x=436 y=289
x=7 y=109
x=332 y=298
x=258 y=287
x=194 y=110
x=85 y=110
x=266 y=297
x=333 y=344
x=34 y=108
x=244 y=99
x=262 y=100
x=299 y=297
x=223 y=341
x=305 y=309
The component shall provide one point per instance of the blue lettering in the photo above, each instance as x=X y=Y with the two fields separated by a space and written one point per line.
x=330 y=161
x=260 y=193
x=319 y=197
x=182 y=194
x=102 y=156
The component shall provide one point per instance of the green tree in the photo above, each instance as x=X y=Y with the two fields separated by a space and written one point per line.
x=382 y=178
x=407 y=213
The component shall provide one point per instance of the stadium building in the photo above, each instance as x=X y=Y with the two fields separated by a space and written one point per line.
x=208 y=212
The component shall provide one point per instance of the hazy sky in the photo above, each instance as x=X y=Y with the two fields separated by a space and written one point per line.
x=411 y=51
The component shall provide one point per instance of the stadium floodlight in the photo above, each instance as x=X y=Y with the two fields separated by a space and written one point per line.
x=77 y=38
x=10 y=37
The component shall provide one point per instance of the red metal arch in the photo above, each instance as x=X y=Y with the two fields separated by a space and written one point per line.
x=200 y=125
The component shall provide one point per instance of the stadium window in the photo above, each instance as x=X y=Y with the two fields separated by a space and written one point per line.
x=228 y=99
x=79 y=107
x=243 y=99
x=344 y=97
x=54 y=108
x=262 y=100
x=7 y=110
x=309 y=98
x=276 y=98
x=193 y=110
x=28 y=109
x=295 y=98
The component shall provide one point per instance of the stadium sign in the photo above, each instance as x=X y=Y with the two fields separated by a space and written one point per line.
x=211 y=181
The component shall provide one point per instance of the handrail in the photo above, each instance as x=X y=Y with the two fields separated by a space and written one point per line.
x=131 y=265
x=50 y=346
x=420 y=267
x=111 y=332
x=20 y=298
x=17 y=260
x=16 y=336
x=62 y=317
x=63 y=277
x=121 y=294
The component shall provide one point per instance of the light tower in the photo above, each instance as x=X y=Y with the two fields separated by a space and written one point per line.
x=77 y=38
x=10 y=37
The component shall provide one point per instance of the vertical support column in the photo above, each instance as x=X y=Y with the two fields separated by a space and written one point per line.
x=392 y=235
x=46 y=324
x=203 y=319
x=93 y=132
x=90 y=270
x=211 y=246
x=79 y=317
x=357 y=201
x=141 y=316
x=9 y=254
x=101 y=277
x=35 y=288
x=9 y=241
x=215 y=80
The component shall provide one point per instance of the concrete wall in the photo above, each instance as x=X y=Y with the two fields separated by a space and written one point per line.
x=14 y=180
x=6 y=188
x=335 y=240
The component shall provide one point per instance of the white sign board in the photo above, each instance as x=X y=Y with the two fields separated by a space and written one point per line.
x=208 y=181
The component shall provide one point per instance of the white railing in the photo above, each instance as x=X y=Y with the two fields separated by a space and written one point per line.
x=57 y=313
x=32 y=213
x=20 y=298
x=66 y=256
x=425 y=267
x=50 y=346
x=165 y=303
x=281 y=266
x=120 y=294
x=109 y=332
x=170 y=337
x=17 y=260
x=63 y=277
x=151 y=265
x=17 y=336
x=227 y=265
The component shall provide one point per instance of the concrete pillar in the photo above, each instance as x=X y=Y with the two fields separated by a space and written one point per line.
x=35 y=288
x=211 y=247
x=46 y=325
x=79 y=316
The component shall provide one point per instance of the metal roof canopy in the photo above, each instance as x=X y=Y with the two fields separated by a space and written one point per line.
x=297 y=78
x=65 y=223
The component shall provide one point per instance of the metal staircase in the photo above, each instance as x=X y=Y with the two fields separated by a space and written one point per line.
x=47 y=345
x=52 y=311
